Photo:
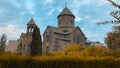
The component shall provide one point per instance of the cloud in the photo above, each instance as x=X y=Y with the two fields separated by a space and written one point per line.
x=87 y=17
x=59 y=9
x=18 y=12
x=16 y=4
x=51 y=12
x=78 y=3
x=10 y=28
x=95 y=21
x=102 y=2
x=11 y=31
x=90 y=35
x=93 y=36
x=77 y=19
x=48 y=2
x=30 y=6
x=2 y=12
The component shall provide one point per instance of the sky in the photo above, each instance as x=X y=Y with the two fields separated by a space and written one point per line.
x=15 y=14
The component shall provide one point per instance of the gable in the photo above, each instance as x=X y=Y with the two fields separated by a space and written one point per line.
x=49 y=29
x=77 y=29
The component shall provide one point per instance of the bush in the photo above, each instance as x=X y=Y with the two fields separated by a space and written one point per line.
x=74 y=56
x=96 y=51
x=58 y=62
x=115 y=53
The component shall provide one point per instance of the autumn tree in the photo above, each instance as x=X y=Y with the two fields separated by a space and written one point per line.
x=3 y=43
x=36 y=45
x=113 y=38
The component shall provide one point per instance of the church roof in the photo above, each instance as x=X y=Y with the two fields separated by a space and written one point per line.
x=66 y=11
x=31 y=22
x=61 y=31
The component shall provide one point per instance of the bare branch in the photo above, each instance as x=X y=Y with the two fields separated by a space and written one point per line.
x=114 y=4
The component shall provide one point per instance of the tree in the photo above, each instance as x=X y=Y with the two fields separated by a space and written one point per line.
x=114 y=4
x=3 y=43
x=115 y=14
x=36 y=45
x=113 y=39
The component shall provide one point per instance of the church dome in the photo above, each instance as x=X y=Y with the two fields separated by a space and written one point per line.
x=31 y=22
x=66 y=11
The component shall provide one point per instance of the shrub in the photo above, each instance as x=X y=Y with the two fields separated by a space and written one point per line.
x=58 y=62
x=96 y=51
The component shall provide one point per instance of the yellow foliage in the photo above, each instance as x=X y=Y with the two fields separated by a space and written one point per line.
x=77 y=54
x=11 y=56
x=73 y=48
x=62 y=53
x=115 y=53
x=96 y=51
x=81 y=51
x=58 y=60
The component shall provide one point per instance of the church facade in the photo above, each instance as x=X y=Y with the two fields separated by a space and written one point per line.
x=54 y=38
x=57 y=38
x=26 y=39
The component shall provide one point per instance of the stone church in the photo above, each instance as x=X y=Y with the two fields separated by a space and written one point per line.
x=22 y=45
x=26 y=39
x=54 y=38
x=57 y=38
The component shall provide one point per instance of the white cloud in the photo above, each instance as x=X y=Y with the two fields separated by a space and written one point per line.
x=11 y=31
x=77 y=19
x=48 y=2
x=51 y=12
x=78 y=3
x=101 y=2
x=30 y=6
x=83 y=28
x=91 y=35
x=95 y=20
x=14 y=2
x=87 y=17
x=59 y=9
x=2 y=11
x=10 y=28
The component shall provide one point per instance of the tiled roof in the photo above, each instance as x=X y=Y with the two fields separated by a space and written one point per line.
x=66 y=11
x=31 y=22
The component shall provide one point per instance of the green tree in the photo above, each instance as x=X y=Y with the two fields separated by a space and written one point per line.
x=113 y=39
x=36 y=45
x=115 y=14
x=3 y=43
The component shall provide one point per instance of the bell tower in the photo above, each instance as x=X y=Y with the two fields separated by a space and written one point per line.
x=30 y=26
x=66 y=19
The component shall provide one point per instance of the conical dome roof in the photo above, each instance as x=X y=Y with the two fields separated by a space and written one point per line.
x=31 y=22
x=66 y=11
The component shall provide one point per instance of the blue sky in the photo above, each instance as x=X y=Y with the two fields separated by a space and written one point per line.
x=15 y=14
